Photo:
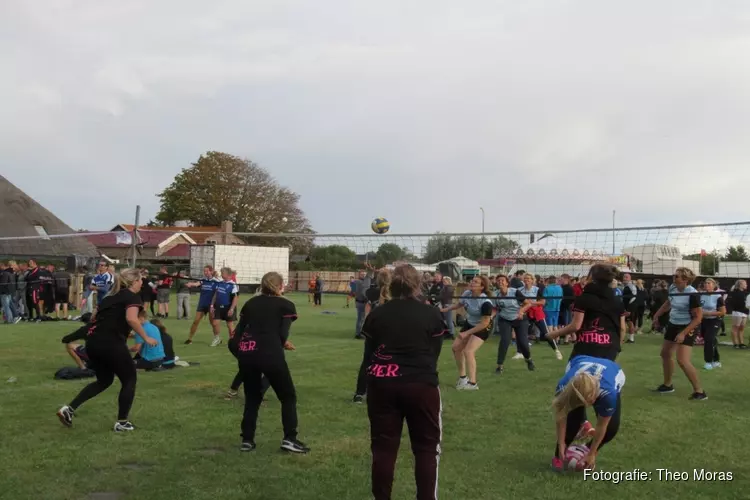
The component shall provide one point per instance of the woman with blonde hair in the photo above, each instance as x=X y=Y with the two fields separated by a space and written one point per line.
x=588 y=381
x=107 y=348
x=376 y=296
x=405 y=337
x=685 y=316
x=713 y=314
x=259 y=342
x=476 y=330
x=224 y=303
x=535 y=313
x=737 y=300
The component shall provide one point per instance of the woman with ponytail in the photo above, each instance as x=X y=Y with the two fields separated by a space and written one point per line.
x=106 y=346
x=588 y=381
x=376 y=296
x=261 y=337
x=404 y=336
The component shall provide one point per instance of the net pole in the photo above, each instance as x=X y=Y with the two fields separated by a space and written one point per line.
x=135 y=233
x=614 y=212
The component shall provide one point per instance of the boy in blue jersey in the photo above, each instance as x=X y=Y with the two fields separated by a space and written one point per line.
x=552 y=299
x=148 y=357
x=224 y=302
x=208 y=290
x=102 y=282
x=588 y=381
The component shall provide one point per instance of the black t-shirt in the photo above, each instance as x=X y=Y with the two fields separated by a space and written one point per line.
x=166 y=282
x=568 y=297
x=62 y=281
x=736 y=300
x=146 y=291
x=600 y=333
x=405 y=336
x=263 y=329
x=109 y=324
x=79 y=334
x=435 y=292
x=372 y=295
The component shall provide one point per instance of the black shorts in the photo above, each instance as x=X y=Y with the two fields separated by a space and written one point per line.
x=484 y=334
x=203 y=309
x=674 y=330
x=62 y=297
x=222 y=314
x=633 y=310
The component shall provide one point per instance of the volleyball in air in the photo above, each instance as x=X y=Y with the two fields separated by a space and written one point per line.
x=574 y=456
x=380 y=225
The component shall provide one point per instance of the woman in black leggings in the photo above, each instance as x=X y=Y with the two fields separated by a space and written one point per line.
x=259 y=341
x=106 y=346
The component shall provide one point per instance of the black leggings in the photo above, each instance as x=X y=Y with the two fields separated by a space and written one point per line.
x=108 y=361
x=317 y=298
x=505 y=328
x=709 y=330
x=542 y=326
x=577 y=417
x=640 y=312
x=281 y=380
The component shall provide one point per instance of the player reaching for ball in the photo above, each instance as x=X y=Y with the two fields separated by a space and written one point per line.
x=588 y=381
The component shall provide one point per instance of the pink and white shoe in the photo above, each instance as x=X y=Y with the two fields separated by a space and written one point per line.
x=585 y=433
x=557 y=465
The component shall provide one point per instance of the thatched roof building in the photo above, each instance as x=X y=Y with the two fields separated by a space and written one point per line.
x=27 y=229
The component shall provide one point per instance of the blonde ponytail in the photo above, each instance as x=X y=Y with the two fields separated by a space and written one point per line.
x=125 y=279
x=581 y=389
x=384 y=283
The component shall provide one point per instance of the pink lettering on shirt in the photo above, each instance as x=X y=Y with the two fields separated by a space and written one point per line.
x=383 y=371
x=594 y=335
x=247 y=345
x=379 y=353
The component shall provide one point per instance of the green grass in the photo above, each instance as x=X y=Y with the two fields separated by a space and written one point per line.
x=497 y=441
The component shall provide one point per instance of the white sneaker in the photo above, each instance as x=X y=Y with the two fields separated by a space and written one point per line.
x=518 y=356
x=462 y=383
x=708 y=366
x=124 y=427
x=558 y=355
x=471 y=387
x=717 y=364
x=65 y=414
x=216 y=341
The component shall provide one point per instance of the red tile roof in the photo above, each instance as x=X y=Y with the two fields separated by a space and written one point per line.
x=149 y=239
x=198 y=233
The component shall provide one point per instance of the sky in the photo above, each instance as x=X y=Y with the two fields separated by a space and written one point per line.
x=548 y=114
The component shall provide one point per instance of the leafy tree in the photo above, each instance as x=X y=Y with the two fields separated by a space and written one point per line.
x=737 y=254
x=331 y=258
x=220 y=187
x=708 y=263
x=443 y=246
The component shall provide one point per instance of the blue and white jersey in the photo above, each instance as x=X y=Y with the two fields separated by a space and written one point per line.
x=208 y=288
x=103 y=283
x=508 y=308
x=679 y=314
x=225 y=292
x=611 y=379
x=473 y=306
x=711 y=303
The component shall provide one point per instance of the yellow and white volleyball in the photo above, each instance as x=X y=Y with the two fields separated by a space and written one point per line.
x=380 y=225
x=284 y=219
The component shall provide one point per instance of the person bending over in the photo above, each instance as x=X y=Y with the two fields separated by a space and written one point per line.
x=76 y=350
x=107 y=348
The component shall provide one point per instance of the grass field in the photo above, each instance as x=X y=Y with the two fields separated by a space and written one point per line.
x=497 y=441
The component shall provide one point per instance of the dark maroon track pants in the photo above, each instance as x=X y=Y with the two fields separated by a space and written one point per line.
x=388 y=404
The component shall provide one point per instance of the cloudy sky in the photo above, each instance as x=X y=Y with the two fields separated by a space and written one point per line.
x=549 y=114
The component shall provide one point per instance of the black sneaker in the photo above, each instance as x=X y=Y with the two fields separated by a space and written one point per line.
x=247 y=446
x=530 y=365
x=294 y=446
x=664 y=389
x=698 y=396
x=742 y=346
x=65 y=414
x=358 y=399
x=188 y=342
x=499 y=370
x=358 y=337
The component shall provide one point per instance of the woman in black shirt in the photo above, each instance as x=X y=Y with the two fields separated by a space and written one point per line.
x=376 y=296
x=405 y=336
x=598 y=317
x=107 y=348
x=260 y=339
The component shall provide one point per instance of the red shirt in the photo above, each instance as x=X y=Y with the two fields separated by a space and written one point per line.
x=577 y=289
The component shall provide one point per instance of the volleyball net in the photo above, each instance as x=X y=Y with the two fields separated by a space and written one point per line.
x=717 y=250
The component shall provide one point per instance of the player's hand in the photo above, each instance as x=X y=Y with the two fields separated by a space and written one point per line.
x=289 y=346
x=231 y=311
x=589 y=461
x=151 y=342
x=520 y=315
x=655 y=324
x=679 y=339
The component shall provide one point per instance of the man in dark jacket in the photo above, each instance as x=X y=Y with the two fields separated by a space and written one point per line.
x=7 y=290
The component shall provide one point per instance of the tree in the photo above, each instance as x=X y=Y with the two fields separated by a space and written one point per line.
x=333 y=258
x=442 y=247
x=388 y=253
x=220 y=187
x=708 y=262
x=737 y=254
